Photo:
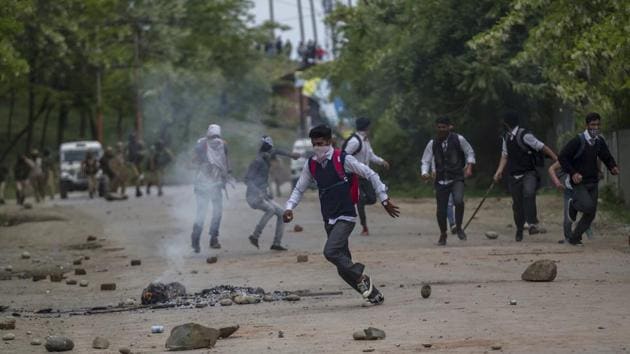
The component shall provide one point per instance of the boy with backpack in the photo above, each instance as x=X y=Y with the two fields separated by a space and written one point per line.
x=358 y=145
x=522 y=155
x=336 y=175
x=452 y=158
x=579 y=159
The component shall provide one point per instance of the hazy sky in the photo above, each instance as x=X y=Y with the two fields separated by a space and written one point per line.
x=286 y=12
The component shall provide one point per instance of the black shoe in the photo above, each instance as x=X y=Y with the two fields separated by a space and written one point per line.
x=365 y=286
x=575 y=242
x=214 y=243
x=571 y=211
x=376 y=297
x=563 y=241
x=278 y=248
x=461 y=234
x=254 y=241
x=454 y=230
x=442 y=240
x=519 y=235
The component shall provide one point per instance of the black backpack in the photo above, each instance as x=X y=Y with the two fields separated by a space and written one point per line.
x=345 y=143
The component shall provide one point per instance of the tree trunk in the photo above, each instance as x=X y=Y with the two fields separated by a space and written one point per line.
x=61 y=123
x=31 y=112
x=11 y=110
x=93 y=130
x=42 y=142
x=119 y=125
x=82 y=123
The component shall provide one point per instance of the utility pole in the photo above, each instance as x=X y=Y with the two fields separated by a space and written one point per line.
x=314 y=22
x=301 y=20
x=271 y=18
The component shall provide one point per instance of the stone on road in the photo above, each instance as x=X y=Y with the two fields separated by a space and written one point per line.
x=542 y=270
x=100 y=343
x=425 y=291
x=225 y=332
x=59 y=344
x=191 y=336
x=7 y=323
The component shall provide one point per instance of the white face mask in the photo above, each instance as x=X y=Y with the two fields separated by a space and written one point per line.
x=321 y=151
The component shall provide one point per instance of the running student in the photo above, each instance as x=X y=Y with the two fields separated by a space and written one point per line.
x=453 y=158
x=579 y=159
x=358 y=145
x=335 y=174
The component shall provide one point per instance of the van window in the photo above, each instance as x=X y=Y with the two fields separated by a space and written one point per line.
x=79 y=155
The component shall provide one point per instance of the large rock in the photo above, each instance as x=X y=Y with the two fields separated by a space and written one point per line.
x=100 y=343
x=191 y=336
x=227 y=331
x=59 y=344
x=157 y=293
x=370 y=333
x=7 y=323
x=246 y=299
x=542 y=270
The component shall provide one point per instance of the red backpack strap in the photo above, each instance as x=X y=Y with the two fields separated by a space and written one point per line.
x=339 y=160
x=338 y=164
x=312 y=166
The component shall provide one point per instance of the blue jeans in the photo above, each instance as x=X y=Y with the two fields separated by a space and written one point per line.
x=450 y=211
x=206 y=195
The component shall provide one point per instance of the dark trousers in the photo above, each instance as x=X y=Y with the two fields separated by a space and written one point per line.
x=337 y=252
x=442 y=194
x=523 y=192
x=585 y=201
x=367 y=196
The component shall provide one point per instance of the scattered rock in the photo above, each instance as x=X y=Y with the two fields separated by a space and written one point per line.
x=201 y=305
x=157 y=329
x=108 y=287
x=157 y=293
x=268 y=298
x=368 y=350
x=56 y=277
x=135 y=262
x=100 y=343
x=191 y=336
x=194 y=271
x=225 y=332
x=36 y=342
x=7 y=323
x=91 y=238
x=372 y=333
x=358 y=335
x=369 y=333
x=427 y=345
x=124 y=350
x=211 y=260
x=246 y=299
x=77 y=261
x=225 y=302
x=8 y=268
x=87 y=258
x=71 y=282
x=26 y=255
x=513 y=302
x=292 y=297
x=27 y=206
x=496 y=347
x=302 y=258
x=59 y=344
x=425 y=291
x=298 y=228
x=492 y=235
x=80 y=271
x=280 y=334
x=83 y=283
x=542 y=270
x=8 y=336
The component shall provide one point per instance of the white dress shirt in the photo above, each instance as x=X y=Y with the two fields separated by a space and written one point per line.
x=428 y=158
x=366 y=155
x=528 y=139
x=351 y=165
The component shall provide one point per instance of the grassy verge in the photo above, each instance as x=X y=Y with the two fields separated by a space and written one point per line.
x=613 y=205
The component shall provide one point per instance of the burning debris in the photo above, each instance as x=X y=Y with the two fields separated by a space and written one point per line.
x=157 y=293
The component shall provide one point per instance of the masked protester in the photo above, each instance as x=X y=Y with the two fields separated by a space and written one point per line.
x=358 y=145
x=259 y=195
x=213 y=171
x=336 y=176
x=159 y=157
x=579 y=159
x=522 y=154
x=453 y=158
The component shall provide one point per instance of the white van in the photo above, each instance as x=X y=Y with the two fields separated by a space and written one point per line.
x=72 y=178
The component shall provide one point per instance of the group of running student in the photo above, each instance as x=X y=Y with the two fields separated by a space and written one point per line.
x=448 y=160
x=344 y=179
